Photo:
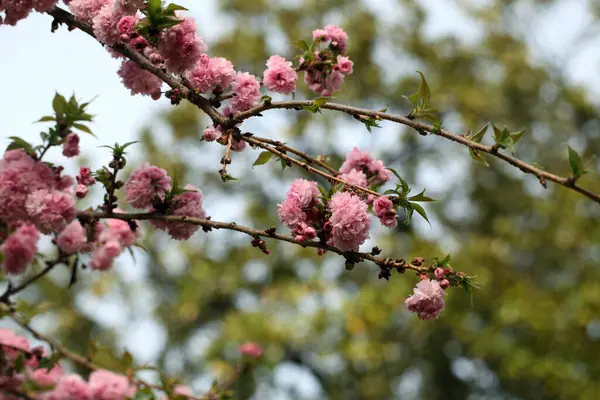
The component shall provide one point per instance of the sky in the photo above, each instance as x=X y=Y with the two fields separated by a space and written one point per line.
x=34 y=63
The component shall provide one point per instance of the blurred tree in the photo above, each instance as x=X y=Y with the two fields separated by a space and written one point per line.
x=534 y=329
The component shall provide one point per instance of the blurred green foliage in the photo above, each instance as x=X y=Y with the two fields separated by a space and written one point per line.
x=534 y=329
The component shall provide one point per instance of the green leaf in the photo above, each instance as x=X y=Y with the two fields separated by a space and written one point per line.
x=18 y=143
x=171 y=8
x=477 y=137
x=321 y=101
x=126 y=361
x=477 y=157
x=228 y=178
x=517 y=136
x=394 y=172
x=283 y=163
x=420 y=197
x=265 y=99
x=145 y=393
x=444 y=263
x=421 y=212
x=263 y=158
x=59 y=104
x=301 y=44
x=391 y=191
x=424 y=91
x=83 y=128
x=46 y=118
x=576 y=164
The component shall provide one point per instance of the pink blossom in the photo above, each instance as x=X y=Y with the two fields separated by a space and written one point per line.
x=104 y=255
x=345 y=65
x=290 y=213
x=211 y=134
x=338 y=37
x=349 y=220
x=279 y=76
x=71 y=145
x=16 y=10
x=304 y=192
x=427 y=300
x=181 y=47
x=86 y=10
x=69 y=387
x=129 y=6
x=106 y=385
x=314 y=83
x=333 y=82
x=247 y=91
x=444 y=284
x=145 y=185
x=106 y=22
x=43 y=5
x=72 y=238
x=51 y=211
x=19 y=249
x=252 y=350
x=355 y=177
x=138 y=80
x=188 y=204
x=363 y=161
x=126 y=24
x=81 y=191
x=385 y=211
x=121 y=231
x=320 y=34
x=20 y=175
x=44 y=377
x=12 y=342
x=212 y=72
x=439 y=273
x=85 y=177
x=238 y=145
x=304 y=232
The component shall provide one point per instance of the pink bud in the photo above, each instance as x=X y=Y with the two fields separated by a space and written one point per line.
x=81 y=191
x=444 y=283
x=125 y=38
x=439 y=274
x=252 y=350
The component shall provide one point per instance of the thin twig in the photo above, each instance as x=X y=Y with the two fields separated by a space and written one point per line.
x=420 y=127
x=269 y=233
x=226 y=159
x=10 y=290
x=331 y=178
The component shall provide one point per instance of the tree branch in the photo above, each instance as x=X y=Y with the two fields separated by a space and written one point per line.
x=384 y=263
x=421 y=127
x=10 y=290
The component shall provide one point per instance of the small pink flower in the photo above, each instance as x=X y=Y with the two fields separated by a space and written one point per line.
x=320 y=34
x=71 y=239
x=247 y=91
x=385 y=211
x=85 y=177
x=304 y=191
x=238 y=145
x=69 y=387
x=345 y=65
x=81 y=191
x=333 y=82
x=46 y=378
x=106 y=385
x=51 y=211
x=145 y=185
x=363 y=161
x=304 y=232
x=120 y=231
x=19 y=249
x=279 y=76
x=252 y=350
x=181 y=47
x=188 y=204
x=427 y=300
x=106 y=22
x=439 y=273
x=71 y=145
x=86 y=10
x=444 y=284
x=211 y=134
x=126 y=24
x=338 y=37
x=349 y=220
x=212 y=72
x=355 y=177
x=138 y=80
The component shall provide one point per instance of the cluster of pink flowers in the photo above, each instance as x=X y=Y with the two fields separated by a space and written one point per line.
x=326 y=68
x=428 y=299
x=212 y=73
x=71 y=145
x=350 y=221
x=280 y=76
x=16 y=10
x=358 y=162
x=384 y=209
x=181 y=47
x=53 y=383
x=147 y=188
x=84 y=181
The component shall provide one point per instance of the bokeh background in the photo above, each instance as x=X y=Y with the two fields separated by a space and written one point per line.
x=533 y=331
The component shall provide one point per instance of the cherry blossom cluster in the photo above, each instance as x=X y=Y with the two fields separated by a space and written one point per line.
x=340 y=219
x=21 y=366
